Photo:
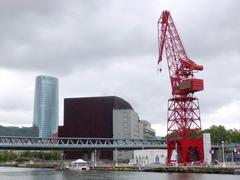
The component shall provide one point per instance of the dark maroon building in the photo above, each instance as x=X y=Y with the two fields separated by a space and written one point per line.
x=90 y=117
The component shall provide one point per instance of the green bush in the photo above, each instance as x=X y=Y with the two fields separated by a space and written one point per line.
x=10 y=156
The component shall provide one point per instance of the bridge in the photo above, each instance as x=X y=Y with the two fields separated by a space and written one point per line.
x=33 y=143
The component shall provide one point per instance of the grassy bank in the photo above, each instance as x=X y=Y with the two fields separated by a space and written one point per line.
x=25 y=165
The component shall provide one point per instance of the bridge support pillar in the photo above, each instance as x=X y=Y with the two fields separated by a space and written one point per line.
x=116 y=157
x=94 y=157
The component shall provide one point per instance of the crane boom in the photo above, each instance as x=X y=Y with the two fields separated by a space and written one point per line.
x=166 y=28
x=183 y=108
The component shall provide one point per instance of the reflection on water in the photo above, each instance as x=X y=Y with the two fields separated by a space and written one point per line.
x=185 y=176
x=43 y=174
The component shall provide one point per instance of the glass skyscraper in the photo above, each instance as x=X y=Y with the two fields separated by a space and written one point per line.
x=45 y=116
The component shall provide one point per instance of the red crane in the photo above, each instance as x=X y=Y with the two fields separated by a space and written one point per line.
x=184 y=135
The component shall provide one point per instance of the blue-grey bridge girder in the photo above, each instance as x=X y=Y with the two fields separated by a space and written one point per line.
x=32 y=143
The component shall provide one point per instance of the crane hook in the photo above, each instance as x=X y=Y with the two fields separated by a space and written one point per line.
x=159 y=69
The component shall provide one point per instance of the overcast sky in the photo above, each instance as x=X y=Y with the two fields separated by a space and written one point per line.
x=109 y=47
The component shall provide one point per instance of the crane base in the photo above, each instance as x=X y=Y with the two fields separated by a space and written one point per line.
x=188 y=151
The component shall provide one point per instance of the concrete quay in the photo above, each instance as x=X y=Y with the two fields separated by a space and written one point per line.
x=170 y=169
x=196 y=169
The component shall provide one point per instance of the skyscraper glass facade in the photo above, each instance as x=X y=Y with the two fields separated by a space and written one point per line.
x=45 y=116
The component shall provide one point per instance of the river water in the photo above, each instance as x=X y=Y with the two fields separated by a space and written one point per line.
x=43 y=174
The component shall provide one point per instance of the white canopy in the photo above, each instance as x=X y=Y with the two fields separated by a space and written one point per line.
x=79 y=161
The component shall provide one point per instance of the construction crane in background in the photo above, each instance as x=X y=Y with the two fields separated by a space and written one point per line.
x=184 y=135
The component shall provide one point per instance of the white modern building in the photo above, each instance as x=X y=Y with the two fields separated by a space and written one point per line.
x=149 y=157
x=45 y=116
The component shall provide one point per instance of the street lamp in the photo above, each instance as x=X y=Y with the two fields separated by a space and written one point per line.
x=224 y=165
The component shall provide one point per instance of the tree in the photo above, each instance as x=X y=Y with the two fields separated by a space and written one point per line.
x=219 y=133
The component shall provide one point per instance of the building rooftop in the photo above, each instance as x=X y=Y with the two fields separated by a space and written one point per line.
x=117 y=102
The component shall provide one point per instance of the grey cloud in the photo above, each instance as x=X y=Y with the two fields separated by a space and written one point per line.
x=76 y=36
x=14 y=8
x=16 y=103
x=57 y=36
x=210 y=28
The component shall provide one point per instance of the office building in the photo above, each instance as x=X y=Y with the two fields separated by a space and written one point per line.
x=125 y=126
x=148 y=131
x=45 y=116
